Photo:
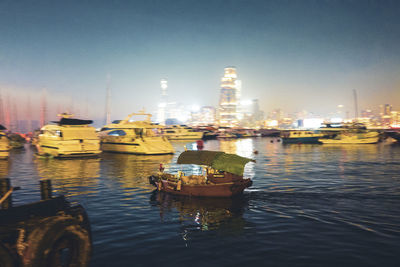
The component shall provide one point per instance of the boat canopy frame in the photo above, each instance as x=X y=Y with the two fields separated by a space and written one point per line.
x=216 y=159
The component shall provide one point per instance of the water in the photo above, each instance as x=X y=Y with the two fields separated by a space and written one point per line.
x=310 y=205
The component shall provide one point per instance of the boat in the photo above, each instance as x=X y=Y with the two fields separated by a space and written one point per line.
x=226 y=133
x=68 y=137
x=135 y=137
x=243 y=133
x=269 y=132
x=393 y=133
x=4 y=143
x=181 y=132
x=354 y=133
x=221 y=175
x=300 y=137
x=352 y=138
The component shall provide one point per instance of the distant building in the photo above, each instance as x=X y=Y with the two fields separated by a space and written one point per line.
x=162 y=105
x=205 y=116
x=228 y=101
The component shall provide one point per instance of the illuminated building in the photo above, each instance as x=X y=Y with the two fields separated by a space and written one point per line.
x=162 y=106
x=205 y=116
x=228 y=102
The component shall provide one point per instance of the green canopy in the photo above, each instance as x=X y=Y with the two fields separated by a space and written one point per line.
x=218 y=160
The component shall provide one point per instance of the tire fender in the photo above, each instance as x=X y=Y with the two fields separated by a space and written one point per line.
x=44 y=244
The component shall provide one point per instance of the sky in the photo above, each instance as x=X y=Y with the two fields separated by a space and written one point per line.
x=292 y=55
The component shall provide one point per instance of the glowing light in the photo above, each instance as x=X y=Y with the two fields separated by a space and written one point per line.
x=195 y=108
x=336 y=120
x=312 y=123
x=246 y=102
x=271 y=123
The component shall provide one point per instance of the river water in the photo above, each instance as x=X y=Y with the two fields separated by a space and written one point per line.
x=310 y=205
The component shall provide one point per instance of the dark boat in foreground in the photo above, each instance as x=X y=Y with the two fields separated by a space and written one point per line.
x=222 y=175
x=394 y=133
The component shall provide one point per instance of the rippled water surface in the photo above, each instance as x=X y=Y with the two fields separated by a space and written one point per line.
x=310 y=205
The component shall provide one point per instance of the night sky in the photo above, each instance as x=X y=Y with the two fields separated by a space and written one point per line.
x=293 y=55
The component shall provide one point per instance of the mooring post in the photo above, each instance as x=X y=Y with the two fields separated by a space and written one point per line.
x=5 y=187
x=45 y=189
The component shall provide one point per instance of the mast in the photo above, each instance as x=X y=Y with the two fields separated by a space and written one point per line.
x=355 y=105
x=29 y=115
x=43 y=109
x=108 y=101
x=7 y=119
x=1 y=110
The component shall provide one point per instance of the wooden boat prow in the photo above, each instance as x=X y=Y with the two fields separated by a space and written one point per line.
x=226 y=181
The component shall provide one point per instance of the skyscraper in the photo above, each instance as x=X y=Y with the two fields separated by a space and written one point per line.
x=228 y=101
x=162 y=106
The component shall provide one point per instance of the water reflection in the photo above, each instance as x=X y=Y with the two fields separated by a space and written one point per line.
x=203 y=213
x=242 y=147
x=132 y=171
x=70 y=176
x=4 y=168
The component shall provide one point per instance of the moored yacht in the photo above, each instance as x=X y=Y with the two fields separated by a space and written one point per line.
x=349 y=137
x=355 y=133
x=181 y=132
x=135 y=137
x=300 y=137
x=68 y=137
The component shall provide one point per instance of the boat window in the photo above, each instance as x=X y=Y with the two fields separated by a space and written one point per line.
x=105 y=129
x=139 y=131
x=170 y=131
x=117 y=133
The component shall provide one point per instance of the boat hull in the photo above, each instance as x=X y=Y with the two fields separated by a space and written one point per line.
x=4 y=147
x=4 y=154
x=301 y=140
x=192 y=136
x=205 y=190
x=147 y=146
x=394 y=134
x=364 y=141
x=356 y=138
x=69 y=148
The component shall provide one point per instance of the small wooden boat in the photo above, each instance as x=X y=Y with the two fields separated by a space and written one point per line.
x=222 y=175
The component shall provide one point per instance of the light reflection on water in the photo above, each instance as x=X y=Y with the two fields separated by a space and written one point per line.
x=309 y=205
x=4 y=168
x=70 y=176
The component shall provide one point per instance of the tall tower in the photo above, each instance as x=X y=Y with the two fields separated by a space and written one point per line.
x=162 y=106
x=227 y=111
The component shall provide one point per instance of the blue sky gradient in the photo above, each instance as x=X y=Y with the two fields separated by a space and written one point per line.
x=294 y=55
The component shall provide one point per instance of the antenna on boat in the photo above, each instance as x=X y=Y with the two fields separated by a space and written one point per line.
x=355 y=105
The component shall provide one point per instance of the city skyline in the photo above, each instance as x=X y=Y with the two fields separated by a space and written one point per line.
x=290 y=55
